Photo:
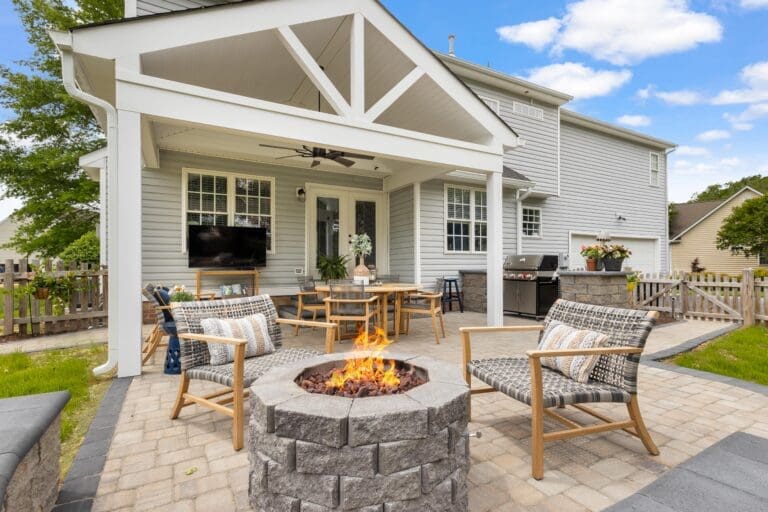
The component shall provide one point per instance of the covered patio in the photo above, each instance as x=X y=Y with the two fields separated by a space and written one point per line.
x=244 y=91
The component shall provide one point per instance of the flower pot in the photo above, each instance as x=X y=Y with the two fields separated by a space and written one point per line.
x=42 y=293
x=591 y=264
x=613 y=264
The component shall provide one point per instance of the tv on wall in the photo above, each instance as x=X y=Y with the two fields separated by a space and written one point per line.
x=227 y=247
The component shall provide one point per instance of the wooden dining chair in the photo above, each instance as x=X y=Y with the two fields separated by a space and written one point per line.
x=425 y=303
x=308 y=299
x=349 y=302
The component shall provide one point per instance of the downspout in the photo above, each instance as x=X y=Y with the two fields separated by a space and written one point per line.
x=667 y=250
x=520 y=196
x=63 y=41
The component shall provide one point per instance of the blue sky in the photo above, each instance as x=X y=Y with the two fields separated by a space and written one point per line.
x=693 y=72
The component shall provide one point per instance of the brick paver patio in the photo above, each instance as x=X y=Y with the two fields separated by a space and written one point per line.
x=189 y=465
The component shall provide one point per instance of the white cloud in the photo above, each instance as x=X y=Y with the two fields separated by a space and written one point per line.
x=536 y=34
x=754 y=4
x=686 y=168
x=634 y=120
x=682 y=97
x=645 y=92
x=579 y=80
x=731 y=162
x=623 y=32
x=711 y=135
x=743 y=121
x=755 y=77
x=692 y=151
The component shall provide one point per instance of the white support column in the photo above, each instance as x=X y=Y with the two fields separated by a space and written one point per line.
x=124 y=240
x=417 y=233
x=495 y=249
x=357 y=66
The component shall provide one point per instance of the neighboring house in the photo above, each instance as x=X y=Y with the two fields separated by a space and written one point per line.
x=693 y=234
x=8 y=228
x=468 y=165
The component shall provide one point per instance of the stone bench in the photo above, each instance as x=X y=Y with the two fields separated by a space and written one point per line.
x=30 y=450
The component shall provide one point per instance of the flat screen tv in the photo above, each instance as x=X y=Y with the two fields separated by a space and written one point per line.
x=227 y=247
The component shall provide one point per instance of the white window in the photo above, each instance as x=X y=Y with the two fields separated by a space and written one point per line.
x=223 y=199
x=492 y=103
x=531 y=223
x=763 y=259
x=466 y=216
x=654 y=169
x=526 y=110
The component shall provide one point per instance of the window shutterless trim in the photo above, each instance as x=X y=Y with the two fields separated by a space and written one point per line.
x=656 y=171
x=472 y=221
x=540 y=233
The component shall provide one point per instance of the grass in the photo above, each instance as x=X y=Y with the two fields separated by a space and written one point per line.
x=742 y=354
x=58 y=370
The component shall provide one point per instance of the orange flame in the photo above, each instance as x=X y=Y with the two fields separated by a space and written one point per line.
x=367 y=369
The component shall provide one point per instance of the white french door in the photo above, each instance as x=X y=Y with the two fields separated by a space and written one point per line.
x=334 y=214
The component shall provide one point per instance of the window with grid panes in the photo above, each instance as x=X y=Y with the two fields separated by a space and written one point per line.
x=466 y=220
x=253 y=204
x=207 y=203
x=531 y=224
x=481 y=221
x=654 y=170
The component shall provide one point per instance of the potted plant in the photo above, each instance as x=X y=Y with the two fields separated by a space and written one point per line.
x=614 y=257
x=591 y=254
x=361 y=246
x=332 y=267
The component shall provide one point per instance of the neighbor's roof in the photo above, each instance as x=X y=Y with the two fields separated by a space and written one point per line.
x=691 y=214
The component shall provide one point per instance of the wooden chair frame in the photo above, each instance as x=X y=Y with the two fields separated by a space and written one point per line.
x=435 y=310
x=235 y=395
x=154 y=339
x=370 y=310
x=301 y=307
x=634 y=426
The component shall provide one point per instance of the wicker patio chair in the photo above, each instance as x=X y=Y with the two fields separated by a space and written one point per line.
x=164 y=326
x=349 y=302
x=614 y=378
x=238 y=375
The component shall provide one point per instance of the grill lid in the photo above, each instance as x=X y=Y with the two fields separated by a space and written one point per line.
x=531 y=262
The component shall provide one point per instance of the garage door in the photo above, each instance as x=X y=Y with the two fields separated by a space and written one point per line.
x=643 y=251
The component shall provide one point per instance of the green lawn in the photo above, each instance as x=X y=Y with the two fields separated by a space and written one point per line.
x=742 y=354
x=57 y=370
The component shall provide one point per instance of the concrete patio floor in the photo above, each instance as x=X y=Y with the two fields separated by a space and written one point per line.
x=189 y=465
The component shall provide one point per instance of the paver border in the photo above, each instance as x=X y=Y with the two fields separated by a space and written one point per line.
x=655 y=360
x=80 y=485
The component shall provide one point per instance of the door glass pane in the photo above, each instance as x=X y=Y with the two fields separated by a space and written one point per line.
x=327 y=227
x=365 y=222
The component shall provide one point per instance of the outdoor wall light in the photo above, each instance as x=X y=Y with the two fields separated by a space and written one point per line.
x=620 y=217
x=301 y=194
x=603 y=236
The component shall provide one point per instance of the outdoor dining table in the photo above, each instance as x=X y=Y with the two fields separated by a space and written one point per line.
x=383 y=291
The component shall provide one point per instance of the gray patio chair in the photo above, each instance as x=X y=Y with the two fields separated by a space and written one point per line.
x=614 y=378
x=349 y=302
x=240 y=374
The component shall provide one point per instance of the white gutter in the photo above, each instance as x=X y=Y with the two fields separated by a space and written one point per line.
x=63 y=41
x=520 y=198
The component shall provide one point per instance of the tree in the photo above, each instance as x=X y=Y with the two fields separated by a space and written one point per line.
x=723 y=191
x=41 y=144
x=745 y=230
x=83 y=250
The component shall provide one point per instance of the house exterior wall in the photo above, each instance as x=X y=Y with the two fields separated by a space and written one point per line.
x=538 y=159
x=162 y=257
x=7 y=230
x=435 y=261
x=602 y=176
x=700 y=241
x=401 y=234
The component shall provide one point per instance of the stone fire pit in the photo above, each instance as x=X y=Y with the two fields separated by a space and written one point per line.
x=311 y=452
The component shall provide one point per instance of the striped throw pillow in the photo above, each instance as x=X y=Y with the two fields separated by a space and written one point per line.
x=559 y=336
x=252 y=328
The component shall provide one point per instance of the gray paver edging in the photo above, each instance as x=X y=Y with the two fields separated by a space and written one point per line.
x=655 y=360
x=82 y=480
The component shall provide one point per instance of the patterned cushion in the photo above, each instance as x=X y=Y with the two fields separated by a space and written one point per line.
x=512 y=376
x=624 y=327
x=255 y=367
x=188 y=316
x=559 y=336
x=252 y=328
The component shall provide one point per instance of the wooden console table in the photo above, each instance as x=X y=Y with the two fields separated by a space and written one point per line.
x=254 y=274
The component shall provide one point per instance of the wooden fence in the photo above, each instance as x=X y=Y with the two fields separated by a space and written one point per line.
x=84 y=307
x=705 y=296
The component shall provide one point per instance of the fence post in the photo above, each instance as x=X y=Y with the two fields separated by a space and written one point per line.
x=748 y=297
x=8 y=299
x=683 y=296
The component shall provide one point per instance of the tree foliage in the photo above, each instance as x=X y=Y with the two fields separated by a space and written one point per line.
x=83 y=250
x=745 y=230
x=723 y=191
x=41 y=143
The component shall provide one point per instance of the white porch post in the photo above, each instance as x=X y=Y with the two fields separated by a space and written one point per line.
x=495 y=249
x=124 y=245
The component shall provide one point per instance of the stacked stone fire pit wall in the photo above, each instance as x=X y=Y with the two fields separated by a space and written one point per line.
x=398 y=453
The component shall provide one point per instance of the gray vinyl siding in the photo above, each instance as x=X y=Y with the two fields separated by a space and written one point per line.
x=435 y=261
x=538 y=158
x=602 y=176
x=401 y=234
x=162 y=259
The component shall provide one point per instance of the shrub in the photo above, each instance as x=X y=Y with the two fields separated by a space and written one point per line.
x=83 y=250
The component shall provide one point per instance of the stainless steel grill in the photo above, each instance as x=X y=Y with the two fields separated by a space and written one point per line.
x=530 y=285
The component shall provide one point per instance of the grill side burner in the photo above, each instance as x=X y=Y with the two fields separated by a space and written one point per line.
x=530 y=285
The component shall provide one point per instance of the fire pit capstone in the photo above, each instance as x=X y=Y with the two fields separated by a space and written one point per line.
x=396 y=453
